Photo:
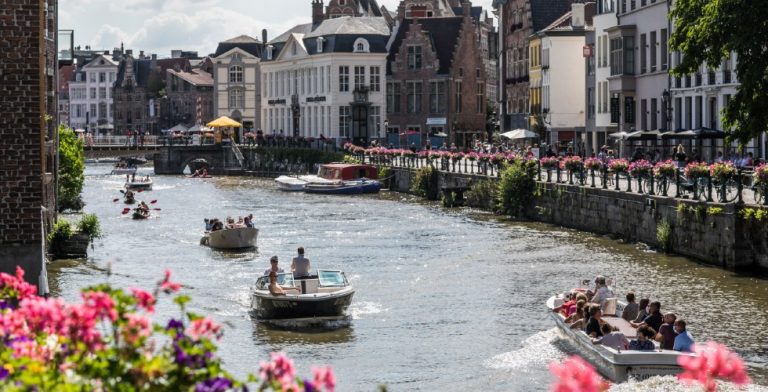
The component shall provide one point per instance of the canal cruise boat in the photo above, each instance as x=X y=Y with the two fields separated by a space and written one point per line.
x=334 y=178
x=231 y=239
x=617 y=365
x=326 y=296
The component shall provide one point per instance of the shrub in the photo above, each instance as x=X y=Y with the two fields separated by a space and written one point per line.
x=516 y=190
x=351 y=159
x=89 y=224
x=62 y=231
x=425 y=183
x=71 y=169
x=664 y=235
x=714 y=211
x=482 y=194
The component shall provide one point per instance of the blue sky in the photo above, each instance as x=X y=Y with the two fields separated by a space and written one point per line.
x=158 y=26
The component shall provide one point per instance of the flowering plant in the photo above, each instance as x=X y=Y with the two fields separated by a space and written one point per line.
x=406 y=153
x=666 y=169
x=761 y=174
x=640 y=168
x=549 y=163
x=457 y=156
x=722 y=171
x=511 y=158
x=108 y=341
x=573 y=163
x=472 y=156
x=696 y=170
x=593 y=164
x=576 y=375
x=618 y=165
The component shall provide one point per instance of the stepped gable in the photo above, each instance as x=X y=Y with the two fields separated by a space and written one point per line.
x=443 y=33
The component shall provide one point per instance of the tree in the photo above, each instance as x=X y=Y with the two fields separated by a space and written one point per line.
x=707 y=31
x=71 y=168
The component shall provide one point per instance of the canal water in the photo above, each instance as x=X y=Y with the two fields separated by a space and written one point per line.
x=447 y=300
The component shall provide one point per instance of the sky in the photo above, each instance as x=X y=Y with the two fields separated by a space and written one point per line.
x=158 y=26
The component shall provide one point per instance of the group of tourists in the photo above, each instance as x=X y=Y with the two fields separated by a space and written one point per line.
x=679 y=155
x=132 y=178
x=214 y=224
x=300 y=268
x=584 y=310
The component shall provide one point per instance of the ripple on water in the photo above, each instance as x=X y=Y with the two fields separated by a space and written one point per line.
x=536 y=351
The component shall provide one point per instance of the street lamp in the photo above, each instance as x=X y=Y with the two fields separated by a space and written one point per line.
x=386 y=132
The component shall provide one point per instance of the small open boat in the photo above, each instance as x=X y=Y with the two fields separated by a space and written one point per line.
x=140 y=214
x=290 y=184
x=334 y=178
x=345 y=187
x=239 y=238
x=618 y=365
x=136 y=185
x=328 y=294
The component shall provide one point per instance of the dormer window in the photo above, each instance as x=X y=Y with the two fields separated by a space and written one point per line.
x=295 y=49
x=270 y=48
x=320 y=42
x=361 y=46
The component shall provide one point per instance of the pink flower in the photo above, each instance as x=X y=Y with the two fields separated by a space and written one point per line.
x=324 y=376
x=101 y=303
x=280 y=369
x=137 y=327
x=167 y=286
x=712 y=361
x=17 y=286
x=203 y=327
x=576 y=375
x=144 y=299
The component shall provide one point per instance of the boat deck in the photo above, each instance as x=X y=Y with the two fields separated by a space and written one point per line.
x=622 y=325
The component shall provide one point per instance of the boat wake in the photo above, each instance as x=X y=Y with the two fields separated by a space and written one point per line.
x=359 y=309
x=311 y=324
x=537 y=350
x=670 y=384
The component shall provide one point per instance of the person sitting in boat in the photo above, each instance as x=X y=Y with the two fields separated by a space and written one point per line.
x=143 y=206
x=216 y=225
x=274 y=267
x=208 y=225
x=570 y=301
x=631 y=309
x=231 y=223
x=274 y=288
x=196 y=173
x=146 y=179
x=643 y=310
x=593 y=327
x=300 y=265
x=654 y=319
x=644 y=340
x=666 y=336
x=684 y=340
x=602 y=292
x=578 y=314
x=248 y=221
x=612 y=338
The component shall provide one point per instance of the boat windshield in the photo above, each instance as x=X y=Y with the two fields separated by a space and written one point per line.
x=329 y=173
x=284 y=279
x=332 y=278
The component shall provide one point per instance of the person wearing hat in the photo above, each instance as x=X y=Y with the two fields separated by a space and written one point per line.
x=274 y=268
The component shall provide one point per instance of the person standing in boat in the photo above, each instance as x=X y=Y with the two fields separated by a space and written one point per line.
x=602 y=292
x=300 y=265
x=273 y=267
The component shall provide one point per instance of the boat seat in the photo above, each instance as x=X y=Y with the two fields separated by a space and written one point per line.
x=622 y=325
x=309 y=286
x=609 y=307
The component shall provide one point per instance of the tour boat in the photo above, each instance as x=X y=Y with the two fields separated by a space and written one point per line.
x=239 y=238
x=334 y=178
x=127 y=165
x=618 y=365
x=124 y=170
x=139 y=185
x=327 y=295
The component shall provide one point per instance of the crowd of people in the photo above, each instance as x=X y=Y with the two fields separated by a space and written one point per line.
x=584 y=310
x=214 y=224
x=682 y=157
x=300 y=268
x=132 y=178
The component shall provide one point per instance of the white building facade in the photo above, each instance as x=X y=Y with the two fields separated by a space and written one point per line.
x=237 y=81
x=604 y=18
x=327 y=80
x=90 y=95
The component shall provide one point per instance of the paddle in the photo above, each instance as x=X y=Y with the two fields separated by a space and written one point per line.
x=115 y=200
x=157 y=209
x=122 y=191
x=140 y=190
x=153 y=202
x=126 y=210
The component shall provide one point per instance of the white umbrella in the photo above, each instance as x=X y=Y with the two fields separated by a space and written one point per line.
x=178 y=128
x=79 y=130
x=618 y=135
x=198 y=128
x=520 y=134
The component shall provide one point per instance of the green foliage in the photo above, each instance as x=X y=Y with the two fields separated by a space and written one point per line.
x=89 y=224
x=664 y=235
x=351 y=159
x=425 y=183
x=707 y=31
x=482 y=194
x=756 y=214
x=516 y=189
x=71 y=169
x=384 y=172
x=714 y=211
x=62 y=231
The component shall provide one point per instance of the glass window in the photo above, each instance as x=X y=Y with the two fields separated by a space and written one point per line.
x=102 y=93
x=664 y=53
x=458 y=96
x=375 y=79
x=629 y=55
x=643 y=54
x=344 y=120
x=480 y=97
x=93 y=92
x=92 y=77
x=359 y=77
x=414 y=96
x=437 y=97
x=393 y=97
x=235 y=74
x=653 y=51
x=236 y=99
x=414 y=57
x=344 y=78
x=616 y=56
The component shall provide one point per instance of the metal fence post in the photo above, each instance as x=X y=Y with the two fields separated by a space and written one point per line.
x=709 y=188
x=677 y=183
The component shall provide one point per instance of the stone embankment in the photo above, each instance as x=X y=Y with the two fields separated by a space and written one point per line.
x=714 y=233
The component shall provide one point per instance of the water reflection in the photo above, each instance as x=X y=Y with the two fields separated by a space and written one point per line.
x=332 y=333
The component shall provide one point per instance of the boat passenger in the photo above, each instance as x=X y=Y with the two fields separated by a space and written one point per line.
x=654 y=319
x=593 y=324
x=208 y=224
x=643 y=341
x=612 y=338
x=274 y=288
x=231 y=223
x=570 y=301
x=300 y=265
x=579 y=297
x=217 y=225
x=602 y=292
x=666 y=336
x=643 y=312
x=578 y=313
x=273 y=267
x=631 y=309
x=684 y=340
x=249 y=221
x=133 y=177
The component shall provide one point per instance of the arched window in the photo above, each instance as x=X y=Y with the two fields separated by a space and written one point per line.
x=235 y=74
x=361 y=46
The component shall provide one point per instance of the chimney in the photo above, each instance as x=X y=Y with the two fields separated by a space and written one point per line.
x=141 y=54
x=577 y=15
x=154 y=56
x=317 y=12
x=264 y=36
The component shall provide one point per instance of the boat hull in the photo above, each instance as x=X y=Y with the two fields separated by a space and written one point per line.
x=124 y=171
x=290 y=184
x=269 y=307
x=346 y=188
x=133 y=186
x=140 y=216
x=241 y=238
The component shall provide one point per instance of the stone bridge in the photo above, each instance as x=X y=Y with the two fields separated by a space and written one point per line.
x=173 y=160
x=99 y=152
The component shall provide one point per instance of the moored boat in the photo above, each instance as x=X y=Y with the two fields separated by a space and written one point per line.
x=345 y=187
x=290 y=184
x=326 y=295
x=238 y=238
x=617 y=365
x=334 y=178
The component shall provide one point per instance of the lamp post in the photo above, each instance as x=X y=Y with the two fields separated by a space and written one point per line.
x=453 y=132
x=386 y=131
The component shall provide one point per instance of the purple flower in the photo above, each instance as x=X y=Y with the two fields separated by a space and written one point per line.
x=174 y=324
x=4 y=373
x=4 y=305
x=217 y=384
x=308 y=386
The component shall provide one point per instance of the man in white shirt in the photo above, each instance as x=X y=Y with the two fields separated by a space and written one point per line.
x=602 y=292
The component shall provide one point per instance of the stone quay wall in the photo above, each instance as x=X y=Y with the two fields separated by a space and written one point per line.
x=712 y=233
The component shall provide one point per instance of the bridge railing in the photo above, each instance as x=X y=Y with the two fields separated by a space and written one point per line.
x=121 y=141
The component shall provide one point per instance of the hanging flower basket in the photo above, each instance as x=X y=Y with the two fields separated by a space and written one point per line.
x=721 y=172
x=696 y=170
x=593 y=164
x=666 y=169
x=618 y=165
x=573 y=164
x=549 y=163
x=640 y=169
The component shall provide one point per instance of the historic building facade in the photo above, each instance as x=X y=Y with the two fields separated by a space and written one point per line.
x=190 y=96
x=237 y=81
x=327 y=79
x=436 y=77
x=90 y=94
x=28 y=135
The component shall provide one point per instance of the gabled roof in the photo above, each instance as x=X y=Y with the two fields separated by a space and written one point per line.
x=544 y=12
x=371 y=7
x=348 y=25
x=443 y=32
x=101 y=61
x=195 y=77
x=563 y=23
x=141 y=68
x=298 y=29
x=247 y=44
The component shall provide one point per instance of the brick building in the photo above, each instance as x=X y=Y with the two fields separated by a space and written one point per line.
x=356 y=8
x=436 y=78
x=190 y=96
x=28 y=137
x=518 y=20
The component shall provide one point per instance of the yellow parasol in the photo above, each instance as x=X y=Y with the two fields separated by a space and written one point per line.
x=223 y=122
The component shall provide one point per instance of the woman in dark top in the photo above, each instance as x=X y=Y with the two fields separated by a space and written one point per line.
x=680 y=156
x=593 y=325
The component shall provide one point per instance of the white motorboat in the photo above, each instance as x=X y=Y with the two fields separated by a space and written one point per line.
x=290 y=184
x=325 y=296
x=239 y=238
x=334 y=178
x=139 y=185
x=617 y=365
